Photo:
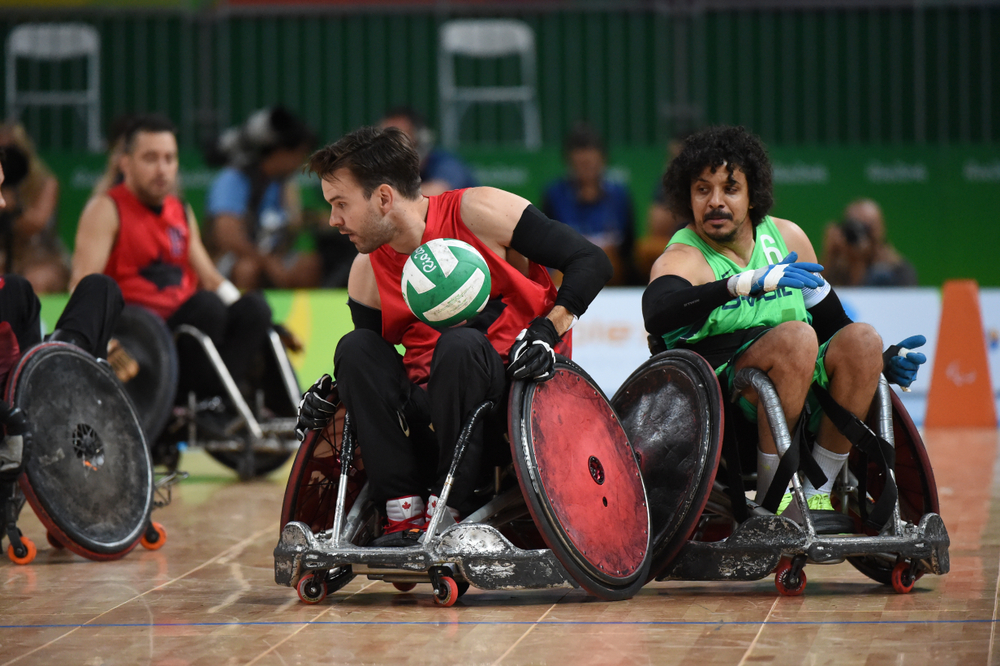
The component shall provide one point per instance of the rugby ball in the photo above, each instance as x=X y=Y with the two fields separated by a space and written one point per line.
x=445 y=282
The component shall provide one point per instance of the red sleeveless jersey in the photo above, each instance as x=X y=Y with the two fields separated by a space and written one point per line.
x=149 y=260
x=526 y=297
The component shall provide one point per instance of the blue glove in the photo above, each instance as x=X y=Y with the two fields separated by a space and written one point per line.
x=900 y=365
x=787 y=273
x=315 y=411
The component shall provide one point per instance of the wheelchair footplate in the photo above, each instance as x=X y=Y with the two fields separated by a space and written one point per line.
x=572 y=522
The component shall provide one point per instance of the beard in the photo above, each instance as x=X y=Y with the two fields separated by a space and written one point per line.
x=722 y=236
x=377 y=232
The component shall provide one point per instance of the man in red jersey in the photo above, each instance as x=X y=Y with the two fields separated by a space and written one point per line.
x=371 y=178
x=142 y=235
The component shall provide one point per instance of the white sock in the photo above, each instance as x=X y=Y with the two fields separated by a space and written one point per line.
x=404 y=508
x=831 y=463
x=767 y=465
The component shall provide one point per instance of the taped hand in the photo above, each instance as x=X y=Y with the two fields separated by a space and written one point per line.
x=900 y=365
x=787 y=273
x=315 y=411
x=532 y=355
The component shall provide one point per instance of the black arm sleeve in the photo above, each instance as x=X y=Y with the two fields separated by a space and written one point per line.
x=671 y=302
x=364 y=316
x=585 y=267
x=828 y=317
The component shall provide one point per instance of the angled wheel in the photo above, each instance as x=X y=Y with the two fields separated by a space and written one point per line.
x=53 y=541
x=23 y=555
x=788 y=582
x=155 y=537
x=90 y=477
x=448 y=593
x=312 y=588
x=672 y=410
x=918 y=494
x=404 y=587
x=581 y=481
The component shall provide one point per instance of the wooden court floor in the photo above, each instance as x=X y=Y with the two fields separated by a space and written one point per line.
x=208 y=597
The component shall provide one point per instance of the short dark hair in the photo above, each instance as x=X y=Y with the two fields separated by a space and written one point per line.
x=148 y=122
x=374 y=157
x=583 y=137
x=711 y=148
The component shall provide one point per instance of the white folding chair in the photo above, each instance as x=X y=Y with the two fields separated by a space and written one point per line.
x=487 y=38
x=52 y=42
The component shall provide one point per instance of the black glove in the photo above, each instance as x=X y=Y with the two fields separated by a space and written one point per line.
x=532 y=355
x=315 y=411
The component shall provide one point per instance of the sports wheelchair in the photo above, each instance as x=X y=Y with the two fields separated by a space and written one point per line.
x=86 y=470
x=253 y=437
x=704 y=527
x=577 y=515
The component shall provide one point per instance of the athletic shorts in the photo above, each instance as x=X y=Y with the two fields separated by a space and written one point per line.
x=727 y=372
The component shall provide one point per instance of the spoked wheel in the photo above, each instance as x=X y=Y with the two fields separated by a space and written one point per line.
x=789 y=579
x=903 y=577
x=312 y=588
x=447 y=594
x=23 y=555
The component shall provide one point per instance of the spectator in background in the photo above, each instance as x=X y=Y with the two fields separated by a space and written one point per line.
x=440 y=170
x=661 y=222
x=116 y=139
x=253 y=204
x=856 y=254
x=28 y=240
x=594 y=206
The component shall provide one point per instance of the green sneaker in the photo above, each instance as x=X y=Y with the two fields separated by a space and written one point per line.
x=786 y=499
x=820 y=502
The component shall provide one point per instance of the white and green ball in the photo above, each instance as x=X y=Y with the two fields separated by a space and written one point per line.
x=445 y=282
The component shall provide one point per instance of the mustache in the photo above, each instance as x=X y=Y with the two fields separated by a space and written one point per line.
x=719 y=215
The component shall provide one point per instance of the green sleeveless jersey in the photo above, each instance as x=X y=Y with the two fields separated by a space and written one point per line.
x=781 y=305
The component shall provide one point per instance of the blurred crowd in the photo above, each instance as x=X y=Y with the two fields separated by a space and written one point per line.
x=264 y=222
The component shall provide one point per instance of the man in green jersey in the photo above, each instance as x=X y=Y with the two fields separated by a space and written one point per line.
x=743 y=289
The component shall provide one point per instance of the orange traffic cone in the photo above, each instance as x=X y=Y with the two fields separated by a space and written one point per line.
x=961 y=394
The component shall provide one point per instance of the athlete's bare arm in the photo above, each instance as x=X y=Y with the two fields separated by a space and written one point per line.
x=208 y=274
x=95 y=237
x=683 y=261
x=492 y=215
x=361 y=285
x=796 y=240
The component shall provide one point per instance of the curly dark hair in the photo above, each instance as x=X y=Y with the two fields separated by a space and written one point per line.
x=711 y=148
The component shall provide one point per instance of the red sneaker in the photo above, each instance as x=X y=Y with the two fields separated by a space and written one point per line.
x=404 y=513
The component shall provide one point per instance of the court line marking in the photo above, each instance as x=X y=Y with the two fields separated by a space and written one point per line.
x=524 y=635
x=488 y=623
x=237 y=547
x=993 y=627
x=303 y=627
x=759 y=632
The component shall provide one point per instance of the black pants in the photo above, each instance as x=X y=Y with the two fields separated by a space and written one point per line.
x=238 y=331
x=88 y=319
x=403 y=456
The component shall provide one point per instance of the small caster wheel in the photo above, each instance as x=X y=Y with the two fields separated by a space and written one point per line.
x=447 y=595
x=155 y=537
x=902 y=578
x=312 y=588
x=789 y=583
x=53 y=541
x=23 y=555
x=404 y=587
